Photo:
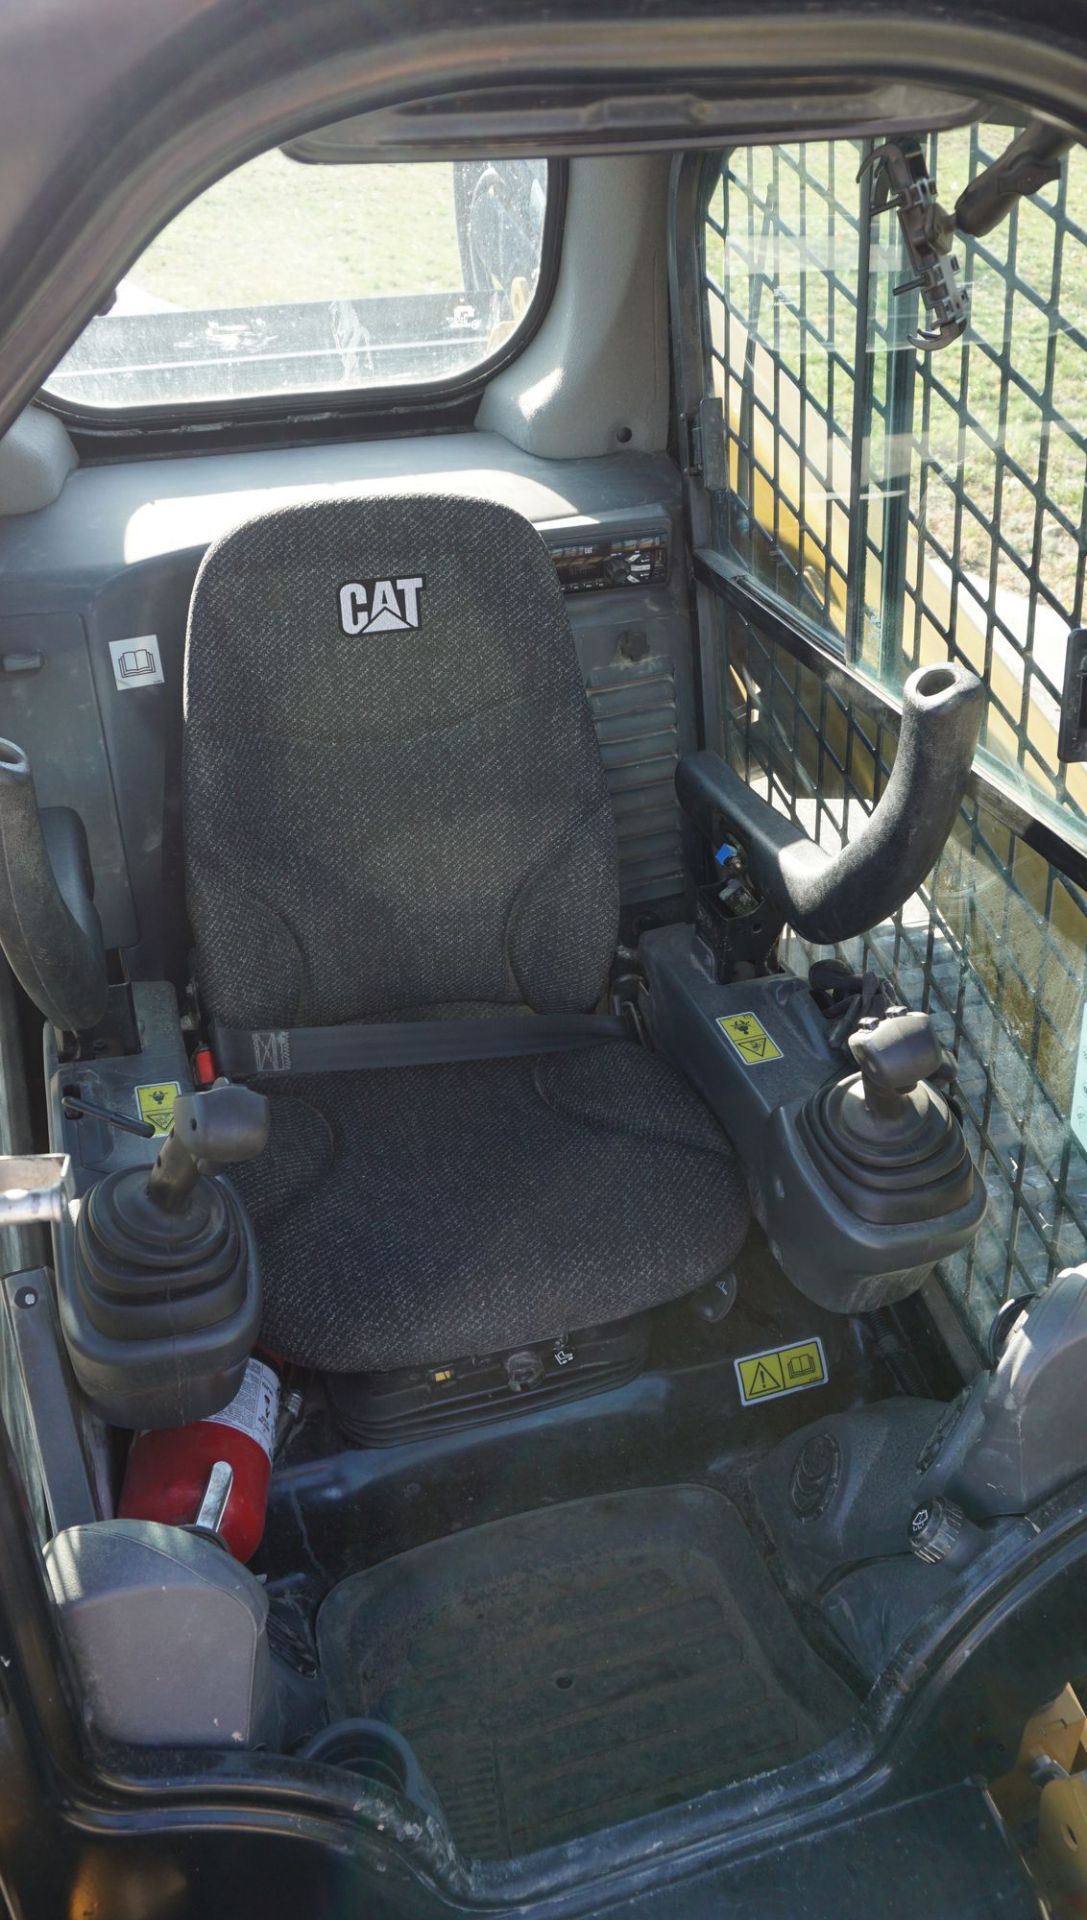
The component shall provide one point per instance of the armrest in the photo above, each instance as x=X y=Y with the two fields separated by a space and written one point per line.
x=831 y=897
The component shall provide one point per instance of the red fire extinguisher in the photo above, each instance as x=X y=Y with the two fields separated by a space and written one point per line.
x=168 y=1470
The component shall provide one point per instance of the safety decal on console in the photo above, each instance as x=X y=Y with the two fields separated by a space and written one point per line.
x=155 y=1103
x=749 y=1037
x=781 y=1370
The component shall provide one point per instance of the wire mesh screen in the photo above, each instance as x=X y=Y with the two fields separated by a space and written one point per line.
x=918 y=508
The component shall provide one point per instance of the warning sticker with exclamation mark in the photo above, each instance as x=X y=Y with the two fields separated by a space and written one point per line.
x=781 y=1370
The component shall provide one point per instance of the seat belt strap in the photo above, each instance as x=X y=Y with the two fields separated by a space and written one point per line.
x=363 y=1046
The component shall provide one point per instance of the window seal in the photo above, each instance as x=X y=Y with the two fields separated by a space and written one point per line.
x=264 y=417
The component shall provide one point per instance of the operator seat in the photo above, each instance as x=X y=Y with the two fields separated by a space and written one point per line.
x=395 y=810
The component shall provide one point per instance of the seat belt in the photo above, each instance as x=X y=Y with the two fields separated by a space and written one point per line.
x=363 y=1046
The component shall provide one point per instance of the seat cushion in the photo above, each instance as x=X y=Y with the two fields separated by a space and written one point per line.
x=426 y=1214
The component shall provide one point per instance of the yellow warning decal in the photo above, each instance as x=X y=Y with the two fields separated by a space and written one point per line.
x=781 y=1370
x=155 y=1103
x=749 y=1037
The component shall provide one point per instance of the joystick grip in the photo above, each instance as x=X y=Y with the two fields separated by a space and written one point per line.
x=893 y=1054
x=827 y=898
x=212 y=1129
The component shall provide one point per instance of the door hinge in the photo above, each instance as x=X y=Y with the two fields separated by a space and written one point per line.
x=706 y=444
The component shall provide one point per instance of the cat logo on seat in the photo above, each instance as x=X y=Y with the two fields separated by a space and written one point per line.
x=381 y=606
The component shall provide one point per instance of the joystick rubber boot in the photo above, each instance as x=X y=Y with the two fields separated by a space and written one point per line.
x=884 y=1139
x=162 y=1305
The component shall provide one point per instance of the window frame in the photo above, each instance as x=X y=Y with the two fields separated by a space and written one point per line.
x=262 y=416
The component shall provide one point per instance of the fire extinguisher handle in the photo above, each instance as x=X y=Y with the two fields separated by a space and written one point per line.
x=212 y=1508
x=212 y=1129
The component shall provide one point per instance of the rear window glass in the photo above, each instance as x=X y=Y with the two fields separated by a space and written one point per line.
x=286 y=279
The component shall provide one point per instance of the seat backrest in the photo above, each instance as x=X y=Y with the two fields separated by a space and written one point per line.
x=393 y=793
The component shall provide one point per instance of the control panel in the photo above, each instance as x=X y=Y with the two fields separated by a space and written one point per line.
x=598 y=562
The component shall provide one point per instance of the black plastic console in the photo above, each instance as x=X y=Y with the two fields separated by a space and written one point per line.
x=862 y=1182
x=1019 y=1432
x=49 y=928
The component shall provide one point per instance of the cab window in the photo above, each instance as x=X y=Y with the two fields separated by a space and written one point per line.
x=286 y=279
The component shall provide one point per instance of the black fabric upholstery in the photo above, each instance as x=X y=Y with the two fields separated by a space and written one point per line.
x=396 y=817
x=413 y=823
x=424 y=1215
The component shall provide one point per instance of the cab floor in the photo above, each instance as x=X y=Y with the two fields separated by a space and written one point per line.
x=572 y=1668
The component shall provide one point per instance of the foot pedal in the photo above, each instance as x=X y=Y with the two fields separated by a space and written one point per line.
x=384 y=1409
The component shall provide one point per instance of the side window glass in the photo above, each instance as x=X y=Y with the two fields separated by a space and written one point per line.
x=782 y=252
x=918 y=507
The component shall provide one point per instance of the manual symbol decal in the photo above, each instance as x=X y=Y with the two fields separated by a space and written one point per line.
x=136 y=662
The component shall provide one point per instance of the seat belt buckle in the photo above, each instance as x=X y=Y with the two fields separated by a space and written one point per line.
x=205 y=1072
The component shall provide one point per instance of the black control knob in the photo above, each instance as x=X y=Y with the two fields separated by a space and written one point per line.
x=524 y=1370
x=893 y=1054
x=212 y=1129
x=941 y=1531
x=885 y=1139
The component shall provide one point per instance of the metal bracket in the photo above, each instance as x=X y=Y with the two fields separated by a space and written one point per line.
x=44 y=1429
x=1072 y=738
x=902 y=181
x=706 y=444
x=35 y=1189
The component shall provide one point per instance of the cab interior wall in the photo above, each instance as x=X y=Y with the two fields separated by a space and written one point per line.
x=583 y=434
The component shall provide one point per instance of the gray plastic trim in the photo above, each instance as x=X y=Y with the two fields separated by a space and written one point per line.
x=594 y=379
x=36 y=457
x=167 y=1633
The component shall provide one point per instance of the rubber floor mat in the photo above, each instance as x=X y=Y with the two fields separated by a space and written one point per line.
x=571 y=1668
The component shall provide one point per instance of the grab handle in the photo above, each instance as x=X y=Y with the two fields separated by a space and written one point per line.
x=831 y=897
x=49 y=928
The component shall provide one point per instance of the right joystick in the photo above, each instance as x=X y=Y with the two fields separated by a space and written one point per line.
x=885 y=1137
x=894 y=1054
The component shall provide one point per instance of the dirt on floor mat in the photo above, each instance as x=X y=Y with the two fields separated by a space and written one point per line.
x=574 y=1667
